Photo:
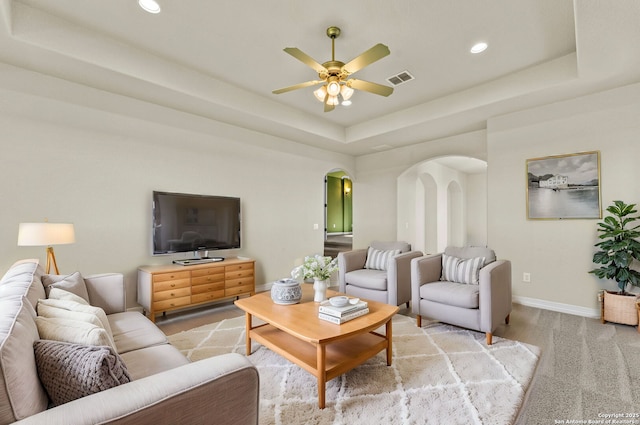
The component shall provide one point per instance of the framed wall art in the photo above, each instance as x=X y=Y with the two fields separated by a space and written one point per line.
x=564 y=187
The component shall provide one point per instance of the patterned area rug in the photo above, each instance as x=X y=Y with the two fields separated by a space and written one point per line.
x=440 y=375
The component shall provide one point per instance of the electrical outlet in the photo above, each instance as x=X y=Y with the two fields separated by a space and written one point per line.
x=526 y=277
x=315 y=226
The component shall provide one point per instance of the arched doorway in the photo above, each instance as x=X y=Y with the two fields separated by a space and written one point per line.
x=434 y=198
x=338 y=213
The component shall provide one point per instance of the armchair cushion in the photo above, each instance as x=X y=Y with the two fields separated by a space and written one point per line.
x=461 y=270
x=379 y=259
x=452 y=293
x=367 y=278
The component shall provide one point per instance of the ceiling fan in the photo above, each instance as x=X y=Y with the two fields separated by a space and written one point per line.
x=334 y=75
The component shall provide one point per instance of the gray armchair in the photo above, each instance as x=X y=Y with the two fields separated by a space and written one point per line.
x=481 y=306
x=377 y=273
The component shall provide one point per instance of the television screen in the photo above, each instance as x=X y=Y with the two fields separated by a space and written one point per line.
x=184 y=222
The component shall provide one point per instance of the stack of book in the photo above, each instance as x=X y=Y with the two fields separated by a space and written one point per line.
x=340 y=315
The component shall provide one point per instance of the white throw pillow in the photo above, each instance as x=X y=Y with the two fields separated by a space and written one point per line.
x=66 y=309
x=61 y=294
x=73 y=331
x=378 y=259
x=461 y=270
x=73 y=283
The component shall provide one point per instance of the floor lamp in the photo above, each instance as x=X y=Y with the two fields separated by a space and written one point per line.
x=46 y=234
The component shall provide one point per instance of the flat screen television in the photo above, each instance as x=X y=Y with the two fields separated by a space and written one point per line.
x=184 y=222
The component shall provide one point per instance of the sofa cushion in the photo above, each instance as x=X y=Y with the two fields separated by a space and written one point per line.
x=152 y=360
x=23 y=279
x=66 y=309
x=132 y=331
x=367 y=278
x=379 y=259
x=461 y=270
x=74 y=331
x=71 y=371
x=73 y=283
x=21 y=394
x=452 y=293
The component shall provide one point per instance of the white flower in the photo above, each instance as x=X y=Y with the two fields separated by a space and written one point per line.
x=316 y=267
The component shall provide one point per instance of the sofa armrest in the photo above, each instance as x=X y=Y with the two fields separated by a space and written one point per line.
x=495 y=294
x=349 y=261
x=222 y=389
x=425 y=269
x=107 y=292
x=399 y=277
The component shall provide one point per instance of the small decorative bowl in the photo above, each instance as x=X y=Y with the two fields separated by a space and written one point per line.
x=339 y=301
x=354 y=301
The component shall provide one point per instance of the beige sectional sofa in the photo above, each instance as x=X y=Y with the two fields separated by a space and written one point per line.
x=164 y=387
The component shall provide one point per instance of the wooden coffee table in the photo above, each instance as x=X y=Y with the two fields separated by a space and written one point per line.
x=324 y=349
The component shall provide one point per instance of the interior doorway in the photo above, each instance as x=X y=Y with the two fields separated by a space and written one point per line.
x=338 y=213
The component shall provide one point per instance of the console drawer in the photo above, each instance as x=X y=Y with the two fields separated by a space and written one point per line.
x=208 y=296
x=207 y=279
x=171 y=303
x=238 y=290
x=174 y=293
x=168 y=285
x=234 y=274
x=243 y=281
x=199 y=289
x=162 y=277
x=208 y=271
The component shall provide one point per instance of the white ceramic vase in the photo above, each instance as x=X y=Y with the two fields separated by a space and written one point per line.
x=320 y=290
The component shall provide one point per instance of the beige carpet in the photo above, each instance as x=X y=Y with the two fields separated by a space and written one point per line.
x=440 y=375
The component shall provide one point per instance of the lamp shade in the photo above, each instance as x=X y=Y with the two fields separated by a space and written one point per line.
x=41 y=234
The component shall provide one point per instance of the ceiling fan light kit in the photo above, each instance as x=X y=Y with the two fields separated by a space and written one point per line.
x=334 y=75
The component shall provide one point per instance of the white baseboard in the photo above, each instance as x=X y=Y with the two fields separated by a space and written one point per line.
x=559 y=307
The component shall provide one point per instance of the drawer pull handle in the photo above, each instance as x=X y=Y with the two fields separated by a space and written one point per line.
x=173 y=285
x=173 y=295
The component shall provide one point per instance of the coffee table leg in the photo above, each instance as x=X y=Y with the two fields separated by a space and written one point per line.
x=389 y=334
x=247 y=332
x=321 y=374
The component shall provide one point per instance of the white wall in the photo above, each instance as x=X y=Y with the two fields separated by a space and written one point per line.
x=558 y=253
x=97 y=170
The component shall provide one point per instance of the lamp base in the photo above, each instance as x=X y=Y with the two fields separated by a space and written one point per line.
x=51 y=259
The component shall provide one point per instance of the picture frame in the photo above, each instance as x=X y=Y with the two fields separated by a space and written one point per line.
x=564 y=187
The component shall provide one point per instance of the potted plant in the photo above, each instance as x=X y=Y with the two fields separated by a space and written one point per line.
x=618 y=250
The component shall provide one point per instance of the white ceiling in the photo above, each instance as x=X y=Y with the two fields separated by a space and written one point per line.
x=221 y=59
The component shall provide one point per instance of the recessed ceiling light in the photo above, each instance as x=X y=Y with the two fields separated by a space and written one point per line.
x=150 y=6
x=479 y=47
x=346 y=103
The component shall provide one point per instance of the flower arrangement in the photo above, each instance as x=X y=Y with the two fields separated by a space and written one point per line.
x=316 y=267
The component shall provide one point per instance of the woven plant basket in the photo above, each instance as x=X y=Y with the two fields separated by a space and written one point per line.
x=620 y=308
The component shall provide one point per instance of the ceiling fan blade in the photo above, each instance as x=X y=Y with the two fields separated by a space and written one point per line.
x=304 y=58
x=370 y=87
x=375 y=53
x=297 y=86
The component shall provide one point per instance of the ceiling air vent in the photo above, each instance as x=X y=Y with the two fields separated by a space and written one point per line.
x=400 y=78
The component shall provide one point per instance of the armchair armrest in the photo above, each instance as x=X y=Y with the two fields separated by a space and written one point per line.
x=349 y=261
x=495 y=294
x=222 y=389
x=426 y=269
x=399 y=276
x=107 y=291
